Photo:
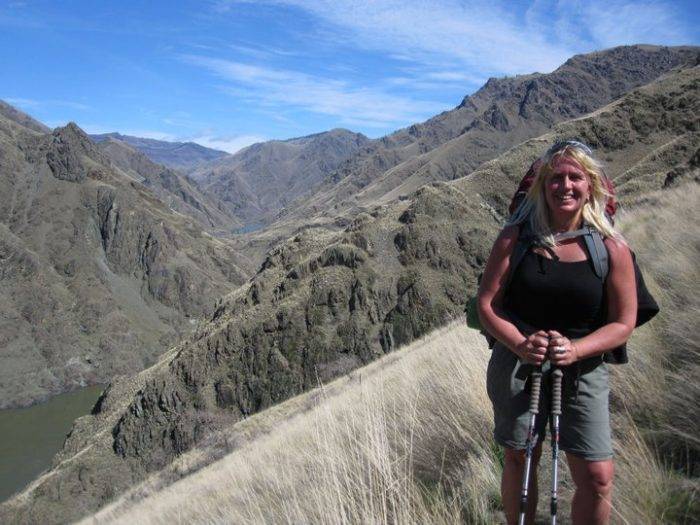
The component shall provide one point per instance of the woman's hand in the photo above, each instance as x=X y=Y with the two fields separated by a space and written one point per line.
x=533 y=349
x=561 y=351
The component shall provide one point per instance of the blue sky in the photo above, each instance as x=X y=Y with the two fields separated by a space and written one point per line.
x=229 y=73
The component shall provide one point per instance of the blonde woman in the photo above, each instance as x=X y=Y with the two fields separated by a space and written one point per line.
x=553 y=310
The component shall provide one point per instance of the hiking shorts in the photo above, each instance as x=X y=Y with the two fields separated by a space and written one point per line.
x=584 y=424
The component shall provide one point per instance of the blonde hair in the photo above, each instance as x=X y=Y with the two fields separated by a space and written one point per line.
x=534 y=209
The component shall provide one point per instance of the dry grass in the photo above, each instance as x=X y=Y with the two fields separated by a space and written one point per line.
x=408 y=439
x=389 y=448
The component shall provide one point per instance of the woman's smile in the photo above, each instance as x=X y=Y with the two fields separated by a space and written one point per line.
x=568 y=188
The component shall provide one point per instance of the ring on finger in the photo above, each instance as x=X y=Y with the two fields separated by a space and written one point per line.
x=559 y=350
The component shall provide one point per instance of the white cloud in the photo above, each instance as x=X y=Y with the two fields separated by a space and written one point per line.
x=488 y=36
x=644 y=23
x=286 y=89
x=477 y=34
x=227 y=144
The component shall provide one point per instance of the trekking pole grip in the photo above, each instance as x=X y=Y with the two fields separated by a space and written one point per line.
x=535 y=392
x=557 y=375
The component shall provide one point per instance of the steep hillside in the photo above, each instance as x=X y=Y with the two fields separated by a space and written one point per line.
x=324 y=303
x=183 y=156
x=175 y=190
x=99 y=277
x=263 y=178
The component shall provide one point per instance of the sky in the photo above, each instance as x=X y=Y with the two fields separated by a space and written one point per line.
x=228 y=73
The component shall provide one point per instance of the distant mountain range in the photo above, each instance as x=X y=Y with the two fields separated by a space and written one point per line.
x=379 y=250
x=176 y=190
x=184 y=156
x=260 y=180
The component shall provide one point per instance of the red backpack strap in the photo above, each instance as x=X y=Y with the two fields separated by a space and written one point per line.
x=524 y=185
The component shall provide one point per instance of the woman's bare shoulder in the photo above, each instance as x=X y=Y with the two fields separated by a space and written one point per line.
x=509 y=233
x=618 y=249
x=506 y=239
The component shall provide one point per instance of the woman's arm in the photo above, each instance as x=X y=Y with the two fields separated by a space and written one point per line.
x=621 y=292
x=531 y=348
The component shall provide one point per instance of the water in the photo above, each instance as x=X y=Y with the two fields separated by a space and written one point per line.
x=29 y=437
x=250 y=227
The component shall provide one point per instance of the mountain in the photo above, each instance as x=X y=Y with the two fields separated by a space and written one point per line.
x=503 y=113
x=174 y=189
x=325 y=302
x=99 y=277
x=261 y=179
x=184 y=156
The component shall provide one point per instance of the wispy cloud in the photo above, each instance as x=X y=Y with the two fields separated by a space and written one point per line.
x=261 y=52
x=488 y=36
x=476 y=33
x=288 y=89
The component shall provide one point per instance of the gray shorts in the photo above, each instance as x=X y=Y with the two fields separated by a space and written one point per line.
x=584 y=424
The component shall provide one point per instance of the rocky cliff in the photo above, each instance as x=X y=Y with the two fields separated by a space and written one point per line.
x=324 y=302
x=99 y=277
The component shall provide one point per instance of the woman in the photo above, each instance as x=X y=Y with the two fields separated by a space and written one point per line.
x=558 y=312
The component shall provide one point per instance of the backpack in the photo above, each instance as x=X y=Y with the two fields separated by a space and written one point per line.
x=647 y=307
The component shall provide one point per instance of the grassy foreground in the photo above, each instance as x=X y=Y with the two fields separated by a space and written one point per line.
x=407 y=439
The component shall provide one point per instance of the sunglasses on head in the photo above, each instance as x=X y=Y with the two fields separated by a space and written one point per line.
x=558 y=146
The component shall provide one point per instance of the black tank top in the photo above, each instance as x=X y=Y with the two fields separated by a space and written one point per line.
x=553 y=295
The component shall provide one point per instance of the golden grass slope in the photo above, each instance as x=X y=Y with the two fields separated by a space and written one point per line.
x=407 y=439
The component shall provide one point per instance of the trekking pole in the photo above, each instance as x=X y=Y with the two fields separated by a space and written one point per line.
x=536 y=382
x=556 y=412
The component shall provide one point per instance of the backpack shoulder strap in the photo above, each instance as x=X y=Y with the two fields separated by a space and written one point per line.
x=598 y=252
x=522 y=246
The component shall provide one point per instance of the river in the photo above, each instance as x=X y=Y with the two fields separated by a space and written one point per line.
x=30 y=437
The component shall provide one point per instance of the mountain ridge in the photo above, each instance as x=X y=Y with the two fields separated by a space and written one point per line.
x=184 y=156
x=257 y=181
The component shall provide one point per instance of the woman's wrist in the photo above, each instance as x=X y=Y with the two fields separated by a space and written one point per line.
x=575 y=351
x=516 y=348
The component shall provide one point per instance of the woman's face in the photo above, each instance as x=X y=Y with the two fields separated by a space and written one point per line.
x=568 y=188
